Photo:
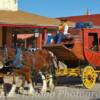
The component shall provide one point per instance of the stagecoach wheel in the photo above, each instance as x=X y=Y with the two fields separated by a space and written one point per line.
x=89 y=77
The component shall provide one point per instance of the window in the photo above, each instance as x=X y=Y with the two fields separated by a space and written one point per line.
x=93 y=41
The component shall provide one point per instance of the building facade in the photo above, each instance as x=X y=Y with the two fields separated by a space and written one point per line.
x=13 y=22
x=94 y=18
x=9 y=5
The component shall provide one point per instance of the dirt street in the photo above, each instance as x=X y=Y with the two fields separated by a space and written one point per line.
x=68 y=89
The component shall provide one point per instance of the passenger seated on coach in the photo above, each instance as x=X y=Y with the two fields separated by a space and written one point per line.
x=50 y=39
x=59 y=37
x=95 y=45
x=62 y=34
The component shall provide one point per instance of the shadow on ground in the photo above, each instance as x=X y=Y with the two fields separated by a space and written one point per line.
x=74 y=82
x=7 y=88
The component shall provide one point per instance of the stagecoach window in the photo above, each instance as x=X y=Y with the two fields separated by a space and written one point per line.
x=93 y=41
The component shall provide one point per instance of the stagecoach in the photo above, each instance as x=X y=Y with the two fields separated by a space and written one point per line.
x=79 y=55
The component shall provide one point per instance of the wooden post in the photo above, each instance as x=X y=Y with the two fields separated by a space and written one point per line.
x=39 y=41
x=9 y=37
x=45 y=36
x=4 y=36
x=15 y=39
x=25 y=43
x=1 y=37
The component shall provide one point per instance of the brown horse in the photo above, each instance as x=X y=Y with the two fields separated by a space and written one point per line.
x=4 y=69
x=40 y=61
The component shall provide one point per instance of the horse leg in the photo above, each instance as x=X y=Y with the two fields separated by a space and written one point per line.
x=3 y=92
x=51 y=83
x=21 y=89
x=30 y=85
x=44 y=87
x=12 y=91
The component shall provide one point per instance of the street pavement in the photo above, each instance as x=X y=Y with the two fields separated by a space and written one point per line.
x=68 y=89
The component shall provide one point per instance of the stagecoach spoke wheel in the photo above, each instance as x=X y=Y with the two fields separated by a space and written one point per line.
x=88 y=77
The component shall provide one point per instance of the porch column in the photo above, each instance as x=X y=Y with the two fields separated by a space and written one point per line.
x=39 y=41
x=9 y=37
x=45 y=36
x=15 y=39
x=4 y=36
x=1 y=37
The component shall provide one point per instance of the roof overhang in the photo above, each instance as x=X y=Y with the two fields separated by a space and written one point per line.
x=21 y=18
x=26 y=26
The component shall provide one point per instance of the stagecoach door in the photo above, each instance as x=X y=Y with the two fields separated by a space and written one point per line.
x=91 y=42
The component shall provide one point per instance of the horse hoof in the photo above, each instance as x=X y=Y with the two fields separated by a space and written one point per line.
x=43 y=91
x=31 y=94
x=21 y=90
x=52 y=88
x=2 y=94
x=11 y=95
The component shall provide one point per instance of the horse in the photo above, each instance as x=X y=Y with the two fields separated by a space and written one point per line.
x=42 y=61
x=5 y=69
x=7 y=57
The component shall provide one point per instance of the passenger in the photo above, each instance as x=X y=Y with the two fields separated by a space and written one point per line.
x=95 y=45
x=59 y=37
x=62 y=34
x=50 y=39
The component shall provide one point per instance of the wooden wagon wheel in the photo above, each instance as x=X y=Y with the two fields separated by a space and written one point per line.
x=88 y=77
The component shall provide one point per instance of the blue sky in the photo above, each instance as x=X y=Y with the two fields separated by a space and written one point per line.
x=60 y=8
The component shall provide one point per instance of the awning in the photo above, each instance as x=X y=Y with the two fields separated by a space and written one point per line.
x=24 y=36
x=25 y=18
